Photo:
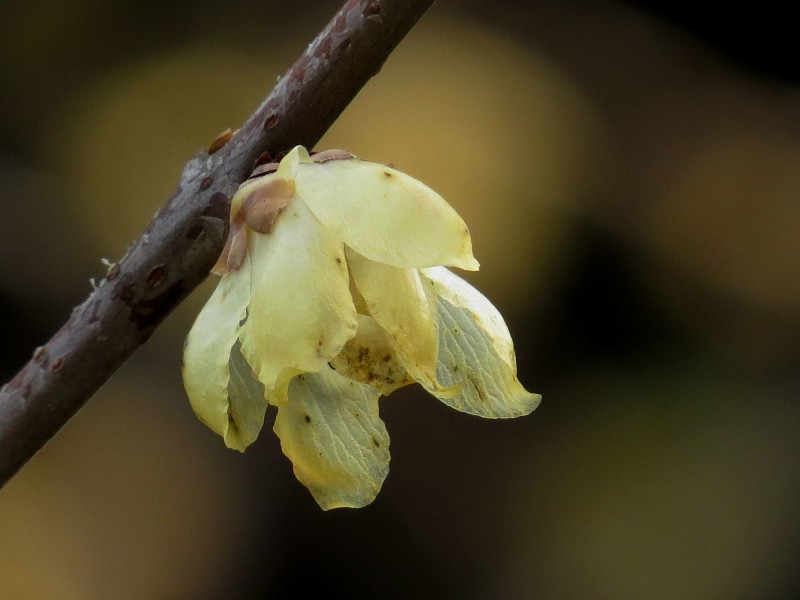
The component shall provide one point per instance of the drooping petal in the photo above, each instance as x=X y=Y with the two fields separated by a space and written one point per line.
x=396 y=298
x=207 y=352
x=475 y=351
x=371 y=357
x=338 y=445
x=301 y=313
x=384 y=214
x=247 y=402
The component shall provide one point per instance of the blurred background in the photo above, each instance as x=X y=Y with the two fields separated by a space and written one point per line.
x=631 y=179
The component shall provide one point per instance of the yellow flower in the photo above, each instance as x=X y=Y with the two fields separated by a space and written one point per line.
x=332 y=294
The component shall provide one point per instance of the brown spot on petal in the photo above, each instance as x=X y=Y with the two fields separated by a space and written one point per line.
x=370 y=364
x=266 y=203
x=236 y=247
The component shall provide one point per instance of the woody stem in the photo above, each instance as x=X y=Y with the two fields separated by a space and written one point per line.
x=181 y=243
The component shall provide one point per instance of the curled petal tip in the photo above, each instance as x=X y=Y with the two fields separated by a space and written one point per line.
x=467 y=263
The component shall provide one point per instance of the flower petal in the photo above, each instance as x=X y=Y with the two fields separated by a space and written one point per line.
x=247 y=402
x=207 y=352
x=301 y=313
x=384 y=214
x=396 y=298
x=338 y=445
x=371 y=358
x=475 y=351
x=284 y=177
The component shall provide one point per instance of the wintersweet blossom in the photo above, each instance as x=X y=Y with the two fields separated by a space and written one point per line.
x=333 y=292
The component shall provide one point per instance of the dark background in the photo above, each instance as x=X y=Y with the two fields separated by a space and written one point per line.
x=630 y=178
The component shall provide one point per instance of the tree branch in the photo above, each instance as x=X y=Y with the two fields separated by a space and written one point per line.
x=178 y=248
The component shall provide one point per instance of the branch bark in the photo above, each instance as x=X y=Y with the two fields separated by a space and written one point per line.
x=180 y=245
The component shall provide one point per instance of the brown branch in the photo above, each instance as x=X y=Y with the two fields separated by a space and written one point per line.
x=180 y=245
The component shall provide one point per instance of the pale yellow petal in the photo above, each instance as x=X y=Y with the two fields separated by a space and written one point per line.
x=384 y=214
x=371 y=357
x=290 y=163
x=397 y=300
x=338 y=445
x=287 y=170
x=247 y=402
x=475 y=351
x=301 y=313
x=208 y=349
